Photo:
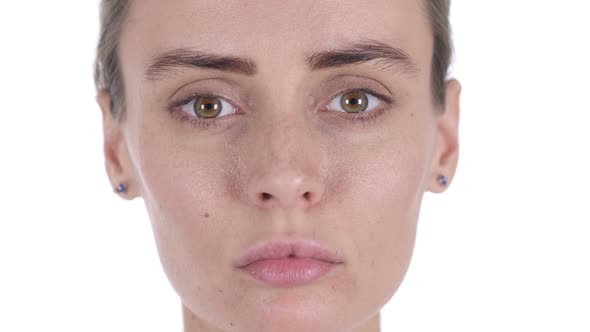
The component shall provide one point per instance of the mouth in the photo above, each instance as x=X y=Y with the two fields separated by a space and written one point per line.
x=288 y=263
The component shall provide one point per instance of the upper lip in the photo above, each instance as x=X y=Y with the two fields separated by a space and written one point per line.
x=282 y=248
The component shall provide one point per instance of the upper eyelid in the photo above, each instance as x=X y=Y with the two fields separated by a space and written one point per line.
x=386 y=99
x=184 y=101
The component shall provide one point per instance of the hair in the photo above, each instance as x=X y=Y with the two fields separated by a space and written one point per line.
x=108 y=76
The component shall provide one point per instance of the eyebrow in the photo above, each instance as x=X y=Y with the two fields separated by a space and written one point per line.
x=386 y=57
x=179 y=58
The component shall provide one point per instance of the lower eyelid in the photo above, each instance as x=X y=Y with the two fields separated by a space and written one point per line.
x=355 y=120
x=195 y=121
x=365 y=118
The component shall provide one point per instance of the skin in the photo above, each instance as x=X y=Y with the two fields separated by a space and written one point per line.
x=202 y=186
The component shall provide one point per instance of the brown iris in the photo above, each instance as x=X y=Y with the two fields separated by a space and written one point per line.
x=354 y=102
x=207 y=107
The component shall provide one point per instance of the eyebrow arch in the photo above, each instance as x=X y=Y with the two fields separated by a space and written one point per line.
x=387 y=57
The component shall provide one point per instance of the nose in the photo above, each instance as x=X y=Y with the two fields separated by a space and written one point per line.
x=285 y=170
x=286 y=189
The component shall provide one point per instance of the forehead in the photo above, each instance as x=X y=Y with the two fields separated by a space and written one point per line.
x=275 y=31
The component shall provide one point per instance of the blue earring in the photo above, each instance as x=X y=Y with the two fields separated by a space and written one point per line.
x=443 y=180
x=121 y=189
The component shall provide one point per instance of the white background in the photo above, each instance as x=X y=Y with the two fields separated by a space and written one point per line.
x=506 y=248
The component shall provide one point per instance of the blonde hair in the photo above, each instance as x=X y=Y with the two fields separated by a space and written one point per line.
x=107 y=72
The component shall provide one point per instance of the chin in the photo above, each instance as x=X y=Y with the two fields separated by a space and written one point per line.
x=325 y=306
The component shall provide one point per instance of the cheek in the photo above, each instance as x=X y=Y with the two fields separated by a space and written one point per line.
x=183 y=197
x=382 y=206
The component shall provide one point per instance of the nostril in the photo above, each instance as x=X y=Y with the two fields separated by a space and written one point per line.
x=266 y=198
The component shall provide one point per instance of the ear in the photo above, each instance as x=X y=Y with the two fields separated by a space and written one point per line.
x=446 y=151
x=117 y=161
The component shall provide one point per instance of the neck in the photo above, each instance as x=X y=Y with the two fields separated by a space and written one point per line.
x=192 y=323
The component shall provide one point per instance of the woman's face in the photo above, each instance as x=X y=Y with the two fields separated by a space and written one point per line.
x=282 y=156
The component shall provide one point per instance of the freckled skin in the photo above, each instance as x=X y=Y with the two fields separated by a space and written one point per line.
x=351 y=187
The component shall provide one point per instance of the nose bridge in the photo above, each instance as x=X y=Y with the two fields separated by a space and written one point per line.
x=286 y=140
x=285 y=113
x=285 y=168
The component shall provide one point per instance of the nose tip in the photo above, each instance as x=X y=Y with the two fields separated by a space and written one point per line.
x=286 y=192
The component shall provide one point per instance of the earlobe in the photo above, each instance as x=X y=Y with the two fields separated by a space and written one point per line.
x=446 y=152
x=117 y=161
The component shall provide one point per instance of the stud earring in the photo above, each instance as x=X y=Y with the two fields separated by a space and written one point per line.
x=121 y=188
x=443 y=180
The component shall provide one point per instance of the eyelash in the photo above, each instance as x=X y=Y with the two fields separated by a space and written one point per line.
x=365 y=119
x=195 y=121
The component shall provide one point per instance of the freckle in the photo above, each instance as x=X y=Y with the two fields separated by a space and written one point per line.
x=220 y=290
x=411 y=115
x=206 y=215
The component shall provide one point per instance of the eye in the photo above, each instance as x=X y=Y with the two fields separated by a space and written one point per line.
x=356 y=101
x=207 y=107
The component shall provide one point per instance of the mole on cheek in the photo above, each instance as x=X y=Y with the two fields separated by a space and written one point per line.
x=206 y=215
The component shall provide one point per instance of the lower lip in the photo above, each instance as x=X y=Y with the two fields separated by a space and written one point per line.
x=289 y=271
